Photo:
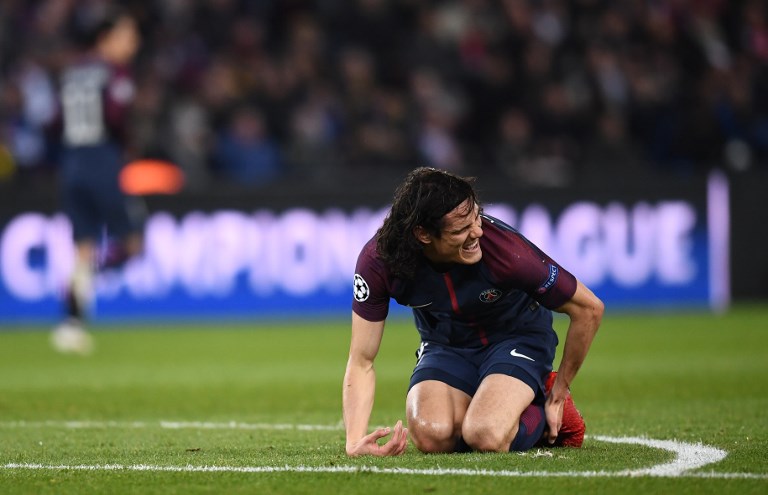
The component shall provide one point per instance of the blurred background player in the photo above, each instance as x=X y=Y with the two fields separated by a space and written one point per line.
x=96 y=92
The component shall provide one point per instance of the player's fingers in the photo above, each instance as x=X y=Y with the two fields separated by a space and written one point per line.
x=399 y=450
x=399 y=434
x=397 y=446
x=404 y=444
x=552 y=432
x=553 y=426
x=379 y=433
x=394 y=443
x=554 y=414
x=398 y=443
x=398 y=427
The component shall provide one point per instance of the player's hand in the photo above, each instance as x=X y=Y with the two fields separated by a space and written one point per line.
x=369 y=445
x=553 y=409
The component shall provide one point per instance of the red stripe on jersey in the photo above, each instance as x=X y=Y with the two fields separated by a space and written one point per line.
x=452 y=293
x=481 y=335
x=457 y=309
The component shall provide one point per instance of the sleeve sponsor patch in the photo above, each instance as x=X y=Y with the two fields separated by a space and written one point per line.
x=551 y=279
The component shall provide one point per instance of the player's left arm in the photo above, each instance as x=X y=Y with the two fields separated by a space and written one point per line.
x=585 y=311
x=359 y=391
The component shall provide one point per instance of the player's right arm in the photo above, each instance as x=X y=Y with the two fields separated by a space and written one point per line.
x=359 y=391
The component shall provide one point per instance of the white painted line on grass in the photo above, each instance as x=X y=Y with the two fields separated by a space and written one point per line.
x=234 y=425
x=169 y=425
x=369 y=469
x=688 y=456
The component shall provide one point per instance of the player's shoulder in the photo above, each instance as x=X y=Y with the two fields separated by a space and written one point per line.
x=369 y=258
x=371 y=265
x=497 y=231
x=503 y=245
x=369 y=250
x=495 y=223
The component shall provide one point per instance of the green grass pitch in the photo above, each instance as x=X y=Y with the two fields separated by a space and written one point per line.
x=256 y=408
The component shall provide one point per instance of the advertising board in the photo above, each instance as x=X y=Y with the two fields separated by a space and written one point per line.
x=658 y=252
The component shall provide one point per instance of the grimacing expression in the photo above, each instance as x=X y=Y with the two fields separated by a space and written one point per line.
x=459 y=240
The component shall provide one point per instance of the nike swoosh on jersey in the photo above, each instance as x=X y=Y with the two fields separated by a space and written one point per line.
x=514 y=353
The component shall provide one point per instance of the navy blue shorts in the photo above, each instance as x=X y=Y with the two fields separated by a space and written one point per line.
x=91 y=194
x=526 y=355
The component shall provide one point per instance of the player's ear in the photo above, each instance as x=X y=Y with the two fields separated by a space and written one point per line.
x=422 y=235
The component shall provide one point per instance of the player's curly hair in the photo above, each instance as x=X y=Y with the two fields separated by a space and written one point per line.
x=423 y=198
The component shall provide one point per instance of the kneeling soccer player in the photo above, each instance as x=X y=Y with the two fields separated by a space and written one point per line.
x=482 y=297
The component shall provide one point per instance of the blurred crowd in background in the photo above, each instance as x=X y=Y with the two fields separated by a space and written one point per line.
x=538 y=92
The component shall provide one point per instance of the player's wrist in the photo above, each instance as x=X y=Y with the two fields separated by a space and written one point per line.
x=558 y=394
x=352 y=448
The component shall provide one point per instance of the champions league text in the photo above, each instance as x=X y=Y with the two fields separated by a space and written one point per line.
x=639 y=254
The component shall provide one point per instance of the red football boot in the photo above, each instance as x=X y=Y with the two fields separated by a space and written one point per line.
x=572 y=431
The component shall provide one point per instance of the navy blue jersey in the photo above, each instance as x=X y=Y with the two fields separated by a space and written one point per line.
x=512 y=287
x=95 y=97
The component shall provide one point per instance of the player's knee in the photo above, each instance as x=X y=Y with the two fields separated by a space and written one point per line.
x=432 y=437
x=486 y=437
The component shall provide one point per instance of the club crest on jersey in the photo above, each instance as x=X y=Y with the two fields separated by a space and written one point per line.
x=360 y=288
x=490 y=295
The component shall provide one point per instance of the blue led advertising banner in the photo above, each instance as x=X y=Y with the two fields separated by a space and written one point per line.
x=647 y=253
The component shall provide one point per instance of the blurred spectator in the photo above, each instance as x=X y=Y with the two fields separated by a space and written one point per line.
x=245 y=154
x=189 y=141
x=312 y=154
x=374 y=118
x=392 y=84
x=28 y=105
x=514 y=151
x=439 y=111
x=611 y=156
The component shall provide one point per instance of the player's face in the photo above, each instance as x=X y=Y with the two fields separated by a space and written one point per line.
x=459 y=241
x=122 y=42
